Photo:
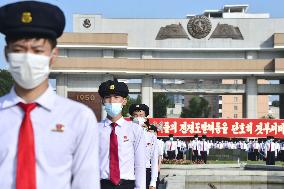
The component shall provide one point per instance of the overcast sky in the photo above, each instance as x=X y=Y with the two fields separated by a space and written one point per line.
x=150 y=9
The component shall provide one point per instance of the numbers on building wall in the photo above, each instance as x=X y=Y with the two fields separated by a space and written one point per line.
x=85 y=98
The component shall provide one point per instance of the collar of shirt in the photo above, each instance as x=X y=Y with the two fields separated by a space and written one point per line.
x=119 y=122
x=46 y=100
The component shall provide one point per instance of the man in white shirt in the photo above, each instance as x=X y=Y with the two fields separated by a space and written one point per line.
x=171 y=148
x=270 y=151
x=139 y=113
x=122 y=143
x=46 y=141
x=256 y=147
x=204 y=149
x=195 y=149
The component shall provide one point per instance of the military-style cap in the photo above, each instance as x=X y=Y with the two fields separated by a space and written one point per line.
x=196 y=136
x=113 y=88
x=152 y=128
x=136 y=107
x=31 y=19
x=204 y=136
x=171 y=135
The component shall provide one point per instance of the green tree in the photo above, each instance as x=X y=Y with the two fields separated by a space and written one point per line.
x=198 y=108
x=130 y=101
x=160 y=103
x=6 y=82
x=276 y=103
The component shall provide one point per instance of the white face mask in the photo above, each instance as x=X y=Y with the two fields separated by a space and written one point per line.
x=27 y=69
x=140 y=120
x=113 y=109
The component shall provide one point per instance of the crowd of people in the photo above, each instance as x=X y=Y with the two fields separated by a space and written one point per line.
x=268 y=149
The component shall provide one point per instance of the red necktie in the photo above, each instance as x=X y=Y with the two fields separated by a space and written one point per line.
x=114 y=172
x=26 y=162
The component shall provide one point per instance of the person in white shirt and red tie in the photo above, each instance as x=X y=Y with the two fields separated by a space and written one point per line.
x=122 y=142
x=46 y=141
x=195 y=149
x=139 y=113
x=171 y=150
x=204 y=149
x=270 y=151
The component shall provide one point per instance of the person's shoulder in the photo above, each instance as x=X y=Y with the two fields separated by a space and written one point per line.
x=102 y=123
x=133 y=127
x=3 y=99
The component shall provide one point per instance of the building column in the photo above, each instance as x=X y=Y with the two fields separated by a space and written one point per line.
x=251 y=97
x=105 y=77
x=147 y=93
x=61 y=85
x=281 y=102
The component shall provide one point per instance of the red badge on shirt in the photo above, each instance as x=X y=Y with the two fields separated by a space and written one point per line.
x=58 y=128
x=125 y=139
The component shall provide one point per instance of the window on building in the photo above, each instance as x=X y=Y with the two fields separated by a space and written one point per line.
x=235 y=107
x=235 y=115
x=220 y=97
x=235 y=81
x=220 y=106
x=220 y=115
x=235 y=99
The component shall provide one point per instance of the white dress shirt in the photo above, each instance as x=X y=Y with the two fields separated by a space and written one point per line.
x=152 y=156
x=65 y=159
x=171 y=146
x=190 y=145
x=204 y=146
x=256 y=146
x=161 y=145
x=131 y=151
x=270 y=146
x=195 y=145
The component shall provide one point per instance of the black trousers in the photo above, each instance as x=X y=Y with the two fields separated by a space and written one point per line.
x=171 y=154
x=281 y=158
x=204 y=156
x=270 y=160
x=148 y=177
x=124 y=184
x=256 y=155
x=195 y=155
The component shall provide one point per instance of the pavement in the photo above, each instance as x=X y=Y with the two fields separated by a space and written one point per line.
x=221 y=176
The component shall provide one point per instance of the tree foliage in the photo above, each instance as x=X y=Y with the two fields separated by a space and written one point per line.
x=198 y=108
x=6 y=82
x=125 y=110
x=276 y=103
x=160 y=103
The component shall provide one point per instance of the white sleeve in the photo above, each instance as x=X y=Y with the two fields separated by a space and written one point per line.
x=139 y=160
x=154 y=163
x=85 y=166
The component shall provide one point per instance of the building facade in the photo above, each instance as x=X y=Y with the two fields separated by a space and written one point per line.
x=229 y=43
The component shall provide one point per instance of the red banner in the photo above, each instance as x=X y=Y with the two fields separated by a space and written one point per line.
x=231 y=128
